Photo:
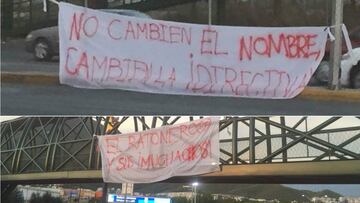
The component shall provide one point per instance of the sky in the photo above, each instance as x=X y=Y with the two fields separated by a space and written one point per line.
x=5 y=118
x=346 y=189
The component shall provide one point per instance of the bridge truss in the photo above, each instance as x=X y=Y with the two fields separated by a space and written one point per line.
x=253 y=149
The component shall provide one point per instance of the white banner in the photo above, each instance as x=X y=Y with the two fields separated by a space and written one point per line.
x=105 y=50
x=176 y=150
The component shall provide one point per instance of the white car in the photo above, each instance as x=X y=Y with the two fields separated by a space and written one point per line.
x=349 y=70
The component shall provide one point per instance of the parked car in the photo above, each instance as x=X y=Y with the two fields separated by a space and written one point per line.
x=349 y=70
x=44 y=43
x=354 y=36
x=350 y=65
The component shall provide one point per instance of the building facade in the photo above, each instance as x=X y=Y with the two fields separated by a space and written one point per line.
x=28 y=190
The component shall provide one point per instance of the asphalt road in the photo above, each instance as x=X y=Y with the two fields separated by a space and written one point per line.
x=14 y=58
x=23 y=99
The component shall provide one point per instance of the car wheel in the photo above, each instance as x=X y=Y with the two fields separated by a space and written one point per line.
x=322 y=72
x=42 y=50
x=355 y=76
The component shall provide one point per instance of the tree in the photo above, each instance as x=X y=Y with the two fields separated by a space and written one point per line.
x=206 y=198
x=180 y=200
x=7 y=8
x=97 y=3
x=15 y=196
x=35 y=198
x=46 y=198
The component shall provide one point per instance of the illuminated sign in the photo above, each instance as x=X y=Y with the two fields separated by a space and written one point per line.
x=117 y=199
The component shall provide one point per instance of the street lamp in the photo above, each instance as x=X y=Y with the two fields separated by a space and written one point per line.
x=304 y=196
x=193 y=190
x=308 y=198
x=195 y=184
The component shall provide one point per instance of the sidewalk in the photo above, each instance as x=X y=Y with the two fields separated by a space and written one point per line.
x=52 y=78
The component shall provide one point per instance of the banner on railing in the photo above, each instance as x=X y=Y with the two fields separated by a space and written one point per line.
x=106 y=50
x=176 y=150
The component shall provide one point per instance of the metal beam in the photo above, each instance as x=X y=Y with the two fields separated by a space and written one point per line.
x=252 y=141
x=342 y=145
x=283 y=139
x=268 y=139
x=261 y=139
x=307 y=135
x=269 y=136
x=234 y=141
x=299 y=172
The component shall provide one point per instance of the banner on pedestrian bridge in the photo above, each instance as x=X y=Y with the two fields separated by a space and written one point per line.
x=176 y=150
x=106 y=50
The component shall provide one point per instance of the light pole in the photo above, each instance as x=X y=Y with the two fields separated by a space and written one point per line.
x=305 y=197
x=193 y=190
x=125 y=196
x=335 y=50
x=308 y=198
x=195 y=184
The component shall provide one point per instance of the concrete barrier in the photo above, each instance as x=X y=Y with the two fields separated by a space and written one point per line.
x=321 y=93
x=38 y=78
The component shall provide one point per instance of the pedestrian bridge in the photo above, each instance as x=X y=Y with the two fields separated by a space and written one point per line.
x=253 y=149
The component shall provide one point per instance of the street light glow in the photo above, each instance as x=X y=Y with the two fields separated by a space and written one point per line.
x=194 y=184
